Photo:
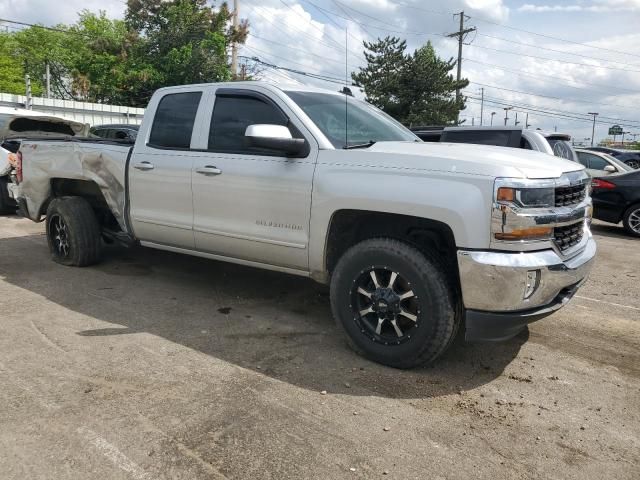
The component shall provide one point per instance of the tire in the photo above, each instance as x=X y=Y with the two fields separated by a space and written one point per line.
x=374 y=335
x=631 y=220
x=7 y=204
x=73 y=232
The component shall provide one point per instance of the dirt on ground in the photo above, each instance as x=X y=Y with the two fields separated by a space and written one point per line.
x=153 y=365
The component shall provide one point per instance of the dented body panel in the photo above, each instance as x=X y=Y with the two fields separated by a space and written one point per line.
x=101 y=163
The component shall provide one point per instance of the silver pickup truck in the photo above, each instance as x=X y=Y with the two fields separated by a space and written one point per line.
x=417 y=240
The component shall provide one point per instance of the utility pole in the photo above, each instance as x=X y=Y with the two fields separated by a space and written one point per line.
x=27 y=82
x=492 y=114
x=461 y=34
x=47 y=79
x=506 y=114
x=593 y=129
x=516 y=122
x=481 y=104
x=234 y=45
x=526 y=121
x=623 y=134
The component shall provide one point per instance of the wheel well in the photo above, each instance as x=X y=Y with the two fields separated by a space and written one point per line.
x=90 y=191
x=349 y=227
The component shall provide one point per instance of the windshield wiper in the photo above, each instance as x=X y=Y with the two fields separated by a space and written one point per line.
x=360 y=145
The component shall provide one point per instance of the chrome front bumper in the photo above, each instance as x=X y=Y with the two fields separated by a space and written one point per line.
x=497 y=281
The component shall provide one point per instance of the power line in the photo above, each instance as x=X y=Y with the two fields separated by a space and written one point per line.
x=519 y=72
x=612 y=119
x=540 y=47
x=551 y=37
x=519 y=54
x=589 y=102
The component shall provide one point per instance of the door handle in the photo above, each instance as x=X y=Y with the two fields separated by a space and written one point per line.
x=209 y=170
x=144 y=166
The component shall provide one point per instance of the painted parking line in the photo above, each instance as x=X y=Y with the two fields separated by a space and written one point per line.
x=608 y=303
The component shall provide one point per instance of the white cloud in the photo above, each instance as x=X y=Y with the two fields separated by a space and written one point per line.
x=597 y=6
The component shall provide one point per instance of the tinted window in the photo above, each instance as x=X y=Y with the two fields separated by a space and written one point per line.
x=231 y=117
x=583 y=158
x=173 y=123
x=481 y=137
x=100 y=132
x=597 y=163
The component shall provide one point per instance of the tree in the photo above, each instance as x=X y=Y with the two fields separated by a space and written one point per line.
x=178 y=42
x=415 y=89
x=381 y=78
x=428 y=89
x=98 y=59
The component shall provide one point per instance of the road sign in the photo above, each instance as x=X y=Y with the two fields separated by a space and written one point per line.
x=615 y=130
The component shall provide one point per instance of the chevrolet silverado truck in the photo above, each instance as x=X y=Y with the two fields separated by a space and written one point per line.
x=416 y=240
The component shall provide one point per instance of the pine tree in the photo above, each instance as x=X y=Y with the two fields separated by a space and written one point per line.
x=382 y=76
x=415 y=89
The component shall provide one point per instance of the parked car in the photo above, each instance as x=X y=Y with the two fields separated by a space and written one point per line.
x=16 y=124
x=116 y=131
x=616 y=198
x=599 y=164
x=416 y=240
x=553 y=143
x=629 y=157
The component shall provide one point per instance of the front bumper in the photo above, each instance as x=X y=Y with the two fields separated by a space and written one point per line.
x=494 y=286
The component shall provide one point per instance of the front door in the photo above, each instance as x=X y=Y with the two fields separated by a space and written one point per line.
x=160 y=174
x=250 y=204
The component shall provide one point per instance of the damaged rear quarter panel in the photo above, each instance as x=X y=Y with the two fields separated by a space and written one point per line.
x=104 y=164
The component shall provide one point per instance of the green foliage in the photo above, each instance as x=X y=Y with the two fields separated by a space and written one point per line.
x=98 y=59
x=416 y=89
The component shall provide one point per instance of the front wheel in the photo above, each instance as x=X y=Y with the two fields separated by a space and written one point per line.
x=73 y=232
x=631 y=220
x=396 y=305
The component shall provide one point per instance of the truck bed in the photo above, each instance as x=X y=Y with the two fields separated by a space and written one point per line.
x=101 y=161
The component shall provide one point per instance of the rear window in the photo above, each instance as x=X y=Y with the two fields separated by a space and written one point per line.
x=32 y=125
x=562 y=148
x=500 y=138
x=173 y=123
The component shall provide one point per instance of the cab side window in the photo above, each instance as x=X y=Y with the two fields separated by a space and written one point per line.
x=174 y=119
x=232 y=114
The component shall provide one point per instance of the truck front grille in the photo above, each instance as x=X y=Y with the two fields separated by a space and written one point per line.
x=572 y=195
x=567 y=237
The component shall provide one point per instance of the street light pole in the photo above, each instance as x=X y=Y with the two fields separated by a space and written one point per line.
x=623 y=134
x=492 y=114
x=506 y=114
x=593 y=130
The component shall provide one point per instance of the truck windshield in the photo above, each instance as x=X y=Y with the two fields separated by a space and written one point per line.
x=346 y=121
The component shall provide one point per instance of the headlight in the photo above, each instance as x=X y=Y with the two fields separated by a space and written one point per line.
x=513 y=197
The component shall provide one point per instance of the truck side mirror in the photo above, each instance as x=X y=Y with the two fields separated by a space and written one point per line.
x=274 y=137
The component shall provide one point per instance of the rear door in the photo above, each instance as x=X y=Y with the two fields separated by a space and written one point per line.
x=248 y=203
x=160 y=171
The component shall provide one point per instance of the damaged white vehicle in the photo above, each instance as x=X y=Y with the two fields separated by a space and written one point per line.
x=17 y=125
x=416 y=240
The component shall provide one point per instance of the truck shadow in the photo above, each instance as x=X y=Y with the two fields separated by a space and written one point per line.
x=276 y=324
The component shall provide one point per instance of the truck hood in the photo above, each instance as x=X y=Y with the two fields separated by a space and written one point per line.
x=17 y=122
x=472 y=159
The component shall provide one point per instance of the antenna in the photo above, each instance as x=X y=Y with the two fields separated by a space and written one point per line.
x=346 y=86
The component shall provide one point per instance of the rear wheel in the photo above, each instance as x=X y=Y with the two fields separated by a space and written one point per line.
x=73 y=232
x=395 y=304
x=631 y=220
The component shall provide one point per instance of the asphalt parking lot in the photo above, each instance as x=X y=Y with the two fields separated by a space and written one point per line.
x=154 y=365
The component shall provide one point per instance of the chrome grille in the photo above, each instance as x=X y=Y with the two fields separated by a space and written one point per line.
x=572 y=195
x=568 y=236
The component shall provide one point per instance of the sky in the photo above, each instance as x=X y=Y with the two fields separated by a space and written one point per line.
x=558 y=60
